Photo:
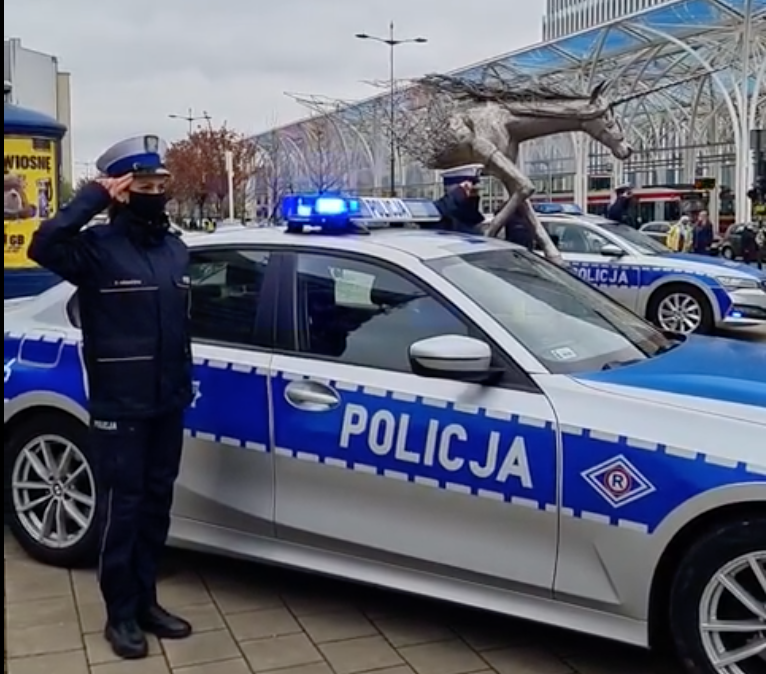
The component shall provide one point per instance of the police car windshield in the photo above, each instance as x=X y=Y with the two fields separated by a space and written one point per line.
x=567 y=324
x=642 y=242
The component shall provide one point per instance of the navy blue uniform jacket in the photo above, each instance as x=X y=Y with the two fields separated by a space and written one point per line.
x=460 y=213
x=704 y=235
x=620 y=211
x=133 y=294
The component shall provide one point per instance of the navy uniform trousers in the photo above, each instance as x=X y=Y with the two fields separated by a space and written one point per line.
x=137 y=465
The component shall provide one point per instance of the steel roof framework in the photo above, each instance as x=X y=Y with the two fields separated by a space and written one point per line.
x=700 y=65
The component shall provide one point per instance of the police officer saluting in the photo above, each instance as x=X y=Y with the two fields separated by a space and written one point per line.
x=460 y=207
x=132 y=288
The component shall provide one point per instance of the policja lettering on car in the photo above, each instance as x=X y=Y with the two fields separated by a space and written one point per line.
x=610 y=276
x=387 y=434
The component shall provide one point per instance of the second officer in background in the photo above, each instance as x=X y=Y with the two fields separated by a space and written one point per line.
x=460 y=207
x=133 y=295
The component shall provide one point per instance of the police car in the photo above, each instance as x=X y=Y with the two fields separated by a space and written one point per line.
x=678 y=292
x=442 y=414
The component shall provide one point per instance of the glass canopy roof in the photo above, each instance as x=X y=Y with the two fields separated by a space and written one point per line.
x=666 y=54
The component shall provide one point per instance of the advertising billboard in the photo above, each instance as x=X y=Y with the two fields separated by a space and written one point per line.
x=30 y=182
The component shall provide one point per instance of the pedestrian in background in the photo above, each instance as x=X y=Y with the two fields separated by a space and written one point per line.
x=681 y=235
x=750 y=253
x=703 y=234
x=132 y=285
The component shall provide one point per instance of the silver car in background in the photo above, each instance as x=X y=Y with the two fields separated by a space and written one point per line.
x=678 y=292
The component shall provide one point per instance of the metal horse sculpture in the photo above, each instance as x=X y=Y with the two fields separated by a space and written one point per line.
x=485 y=124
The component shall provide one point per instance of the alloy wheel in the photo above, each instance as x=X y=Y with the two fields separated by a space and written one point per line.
x=680 y=313
x=733 y=616
x=54 y=492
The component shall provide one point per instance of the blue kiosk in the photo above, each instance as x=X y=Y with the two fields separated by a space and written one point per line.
x=31 y=184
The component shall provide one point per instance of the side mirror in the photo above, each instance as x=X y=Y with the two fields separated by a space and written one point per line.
x=452 y=357
x=610 y=250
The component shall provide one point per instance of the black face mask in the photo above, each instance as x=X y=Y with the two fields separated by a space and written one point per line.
x=148 y=207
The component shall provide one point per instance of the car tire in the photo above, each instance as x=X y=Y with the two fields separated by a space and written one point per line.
x=697 y=589
x=69 y=536
x=727 y=252
x=678 y=292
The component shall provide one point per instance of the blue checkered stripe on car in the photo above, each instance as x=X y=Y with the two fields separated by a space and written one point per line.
x=628 y=481
x=620 y=481
x=613 y=276
x=638 y=276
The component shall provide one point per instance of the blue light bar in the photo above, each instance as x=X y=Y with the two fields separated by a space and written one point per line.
x=322 y=211
x=551 y=208
x=331 y=214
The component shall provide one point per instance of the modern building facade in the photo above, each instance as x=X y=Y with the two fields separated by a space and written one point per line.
x=566 y=17
x=39 y=84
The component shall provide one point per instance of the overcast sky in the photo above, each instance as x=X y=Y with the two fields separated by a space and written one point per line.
x=135 y=63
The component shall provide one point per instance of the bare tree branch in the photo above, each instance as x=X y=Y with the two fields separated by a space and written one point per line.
x=326 y=165
x=273 y=175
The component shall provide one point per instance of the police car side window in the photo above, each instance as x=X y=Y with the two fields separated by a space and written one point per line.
x=363 y=314
x=225 y=290
x=577 y=239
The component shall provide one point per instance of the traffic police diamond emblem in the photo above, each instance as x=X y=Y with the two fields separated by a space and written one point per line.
x=618 y=482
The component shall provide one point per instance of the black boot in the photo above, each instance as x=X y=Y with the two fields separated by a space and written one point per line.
x=127 y=640
x=157 y=621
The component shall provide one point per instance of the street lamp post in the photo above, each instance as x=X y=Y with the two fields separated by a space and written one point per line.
x=392 y=42
x=87 y=167
x=190 y=118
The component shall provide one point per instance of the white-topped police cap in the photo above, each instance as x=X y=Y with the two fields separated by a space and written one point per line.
x=623 y=188
x=455 y=176
x=141 y=155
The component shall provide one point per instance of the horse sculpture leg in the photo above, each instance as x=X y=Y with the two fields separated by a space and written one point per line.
x=546 y=244
x=520 y=187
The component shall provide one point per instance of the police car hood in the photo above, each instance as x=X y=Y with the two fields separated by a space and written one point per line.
x=704 y=264
x=697 y=374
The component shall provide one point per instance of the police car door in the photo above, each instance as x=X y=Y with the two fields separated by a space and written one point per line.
x=597 y=260
x=372 y=460
x=227 y=476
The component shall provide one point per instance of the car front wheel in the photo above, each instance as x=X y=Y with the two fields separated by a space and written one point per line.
x=682 y=309
x=50 y=489
x=718 y=601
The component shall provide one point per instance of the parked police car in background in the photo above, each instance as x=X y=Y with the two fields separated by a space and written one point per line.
x=678 y=292
x=442 y=414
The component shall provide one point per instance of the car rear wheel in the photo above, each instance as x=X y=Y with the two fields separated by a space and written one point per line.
x=682 y=309
x=51 y=490
x=727 y=252
x=718 y=601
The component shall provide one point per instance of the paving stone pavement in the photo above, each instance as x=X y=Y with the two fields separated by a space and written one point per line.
x=252 y=619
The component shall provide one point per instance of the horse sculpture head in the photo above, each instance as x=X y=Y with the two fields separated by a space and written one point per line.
x=602 y=124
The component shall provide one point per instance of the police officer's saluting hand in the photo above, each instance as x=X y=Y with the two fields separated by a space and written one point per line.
x=133 y=293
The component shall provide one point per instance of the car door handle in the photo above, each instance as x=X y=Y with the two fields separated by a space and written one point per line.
x=311 y=396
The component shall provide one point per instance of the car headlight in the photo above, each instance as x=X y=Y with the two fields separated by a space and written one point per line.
x=735 y=283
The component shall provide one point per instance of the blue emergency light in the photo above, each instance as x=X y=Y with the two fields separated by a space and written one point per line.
x=552 y=208
x=333 y=214
x=319 y=213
